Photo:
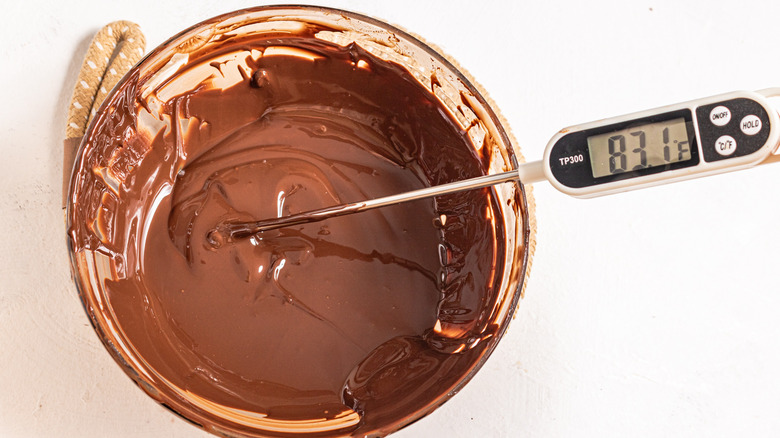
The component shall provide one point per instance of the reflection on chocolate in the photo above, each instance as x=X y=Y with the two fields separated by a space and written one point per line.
x=360 y=319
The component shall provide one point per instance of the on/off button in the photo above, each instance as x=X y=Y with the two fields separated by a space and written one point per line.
x=720 y=115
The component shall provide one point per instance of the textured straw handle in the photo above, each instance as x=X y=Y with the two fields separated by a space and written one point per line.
x=113 y=51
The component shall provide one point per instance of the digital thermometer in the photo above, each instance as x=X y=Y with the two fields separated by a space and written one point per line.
x=683 y=141
x=688 y=140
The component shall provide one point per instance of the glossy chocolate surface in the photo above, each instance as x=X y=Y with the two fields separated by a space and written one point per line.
x=361 y=319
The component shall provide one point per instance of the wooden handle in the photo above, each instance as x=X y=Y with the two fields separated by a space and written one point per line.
x=113 y=51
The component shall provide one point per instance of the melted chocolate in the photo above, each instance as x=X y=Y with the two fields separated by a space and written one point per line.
x=367 y=317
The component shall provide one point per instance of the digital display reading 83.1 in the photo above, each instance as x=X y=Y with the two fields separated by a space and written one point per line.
x=639 y=147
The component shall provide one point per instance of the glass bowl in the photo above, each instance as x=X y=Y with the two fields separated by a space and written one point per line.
x=105 y=163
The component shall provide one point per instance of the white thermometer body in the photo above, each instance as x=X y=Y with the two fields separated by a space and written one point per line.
x=676 y=142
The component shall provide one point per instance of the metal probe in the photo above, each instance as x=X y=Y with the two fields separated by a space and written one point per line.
x=526 y=173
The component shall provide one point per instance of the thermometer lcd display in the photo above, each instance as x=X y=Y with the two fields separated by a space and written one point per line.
x=639 y=147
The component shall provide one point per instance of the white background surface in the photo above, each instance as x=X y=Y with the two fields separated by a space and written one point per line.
x=652 y=313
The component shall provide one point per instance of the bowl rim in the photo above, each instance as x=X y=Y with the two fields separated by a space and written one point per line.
x=183 y=408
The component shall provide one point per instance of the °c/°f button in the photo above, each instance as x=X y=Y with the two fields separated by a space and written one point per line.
x=720 y=115
x=725 y=145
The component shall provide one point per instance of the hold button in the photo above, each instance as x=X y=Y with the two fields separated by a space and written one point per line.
x=750 y=125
